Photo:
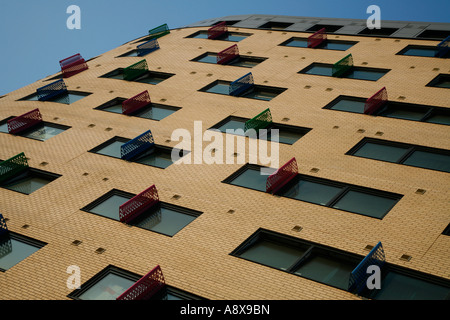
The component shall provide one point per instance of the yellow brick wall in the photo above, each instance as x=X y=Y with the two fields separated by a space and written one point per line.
x=197 y=258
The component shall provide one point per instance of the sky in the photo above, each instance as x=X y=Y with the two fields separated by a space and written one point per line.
x=34 y=34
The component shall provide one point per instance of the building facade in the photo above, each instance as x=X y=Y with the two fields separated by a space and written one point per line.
x=90 y=193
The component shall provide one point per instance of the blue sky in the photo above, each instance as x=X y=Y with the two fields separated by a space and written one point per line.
x=34 y=35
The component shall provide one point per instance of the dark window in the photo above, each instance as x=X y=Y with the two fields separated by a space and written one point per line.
x=4 y=124
x=158 y=156
x=275 y=25
x=66 y=98
x=163 y=218
x=149 y=77
x=108 y=204
x=434 y=34
x=240 y=61
x=286 y=134
x=228 y=22
x=112 y=281
x=166 y=219
x=333 y=194
x=393 y=109
x=257 y=92
x=402 y=153
x=441 y=81
x=341 y=45
x=29 y=181
x=360 y=73
x=446 y=231
x=154 y=111
x=303 y=258
x=14 y=248
x=132 y=53
x=403 y=284
x=421 y=51
x=228 y=36
x=328 y=27
x=378 y=32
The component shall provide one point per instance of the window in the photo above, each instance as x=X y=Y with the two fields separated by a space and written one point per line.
x=328 y=27
x=393 y=109
x=65 y=98
x=441 y=81
x=108 y=204
x=166 y=219
x=360 y=73
x=341 y=45
x=42 y=131
x=258 y=92
x=4 y=124
x=14 y=248
x=149 y=77
x=154 y=111
x=378 y=32
x=403 y=284
x=275 y=25
x=132 y=53
x=351 y=198
x=421 y=51
x=446 y=232
x=157 y=156
x=163 y=218
x=240 y=61
x=286 y=134
x=228 y=36
x=112 y=281
x=29 y=181
x=402 y=153
x=299 y=257
x=434 y=34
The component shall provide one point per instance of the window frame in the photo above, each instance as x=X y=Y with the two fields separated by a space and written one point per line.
x=244 y=34
x=436 y=80
x=353 y=68
x=34 y=94
x=31 y=172
x=349 y=42
x=424 y=47
x=259 y=60
x=24 y=239
x=410 y=149
x=119 y=71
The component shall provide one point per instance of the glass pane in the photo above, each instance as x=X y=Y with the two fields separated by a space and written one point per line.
x=327 y=270
x=301 y=43
x=232 y=37
x=209 y=58
x=273 y=254
x=429 y=160
x=260 y=95
x=110 y=207
x=150 y=79
x=232 y=124
x=201 y=35
x=251 y=178
x=13 y=251
x=312 y=192
x=116 y=108
x=4 y=127
x=108 y=288
x=400 y=287
x=27 y=185
x=380 y=152
x=366 y=204
x=403 y=113
x=112 y=149
x=361 y=74
x=68 y=98
x=164 y=220
x=335 y=46
x=133 y=53
x=349 y=105
x=320 y=70
x=244 y=63
x=284 y=136
x=420 y=52
x=439 y=119
x=33 y=97
x=222 y=88
x=43 y=132
x=443 y=83
x=157 y=158
x=154 y=112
